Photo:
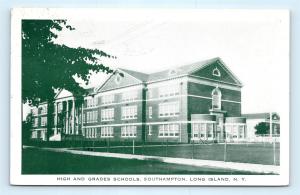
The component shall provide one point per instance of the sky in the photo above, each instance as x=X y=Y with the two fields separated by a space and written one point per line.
x=253 y=44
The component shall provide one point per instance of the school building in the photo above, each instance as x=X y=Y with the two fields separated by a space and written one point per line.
x=271 y=121
x=195 y=102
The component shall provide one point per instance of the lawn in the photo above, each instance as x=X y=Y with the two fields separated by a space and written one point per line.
x=258 y=153
x=36 y=161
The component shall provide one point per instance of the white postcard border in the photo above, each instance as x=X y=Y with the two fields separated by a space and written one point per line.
x=16 y=178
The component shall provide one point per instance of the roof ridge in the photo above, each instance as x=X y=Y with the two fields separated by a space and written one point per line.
x=132 y=71
x=138 y=75
x=188 y=64
x=182 y=70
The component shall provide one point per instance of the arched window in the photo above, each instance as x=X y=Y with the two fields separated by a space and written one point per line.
x=117 y=79
x=216 y=98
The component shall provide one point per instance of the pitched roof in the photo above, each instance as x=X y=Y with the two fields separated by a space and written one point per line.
x=61 y=91
x=90 y=91
x=180 y=70
x=140 y=76
x=172 y=72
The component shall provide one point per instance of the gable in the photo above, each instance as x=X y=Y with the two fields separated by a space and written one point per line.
x=63 y=94
x=216 y=71
x=275 y=117
x=119 y=79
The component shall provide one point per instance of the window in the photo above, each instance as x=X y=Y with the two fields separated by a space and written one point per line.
x=128 y=131
x=129 y=112
x=202 y=129
x=107 y=131
x=228 y=130
x=216 y=98
x=35 y=122
x=216 y=72
x=168 y=130
x=44 y=109
x=34 y=135
x=92 y=116
x=241 y=131
x=210 y=130
x=43 y=135
x=84 y=132
x=107 y=114
x=168 y=91
x=43 y=121
x=90 y=132
x=150 y=130
x=199 y=130
x=91 y=102
x=34 y=111
x=129 y=96
x=234 y=131
x=108 y=99
x=195 y=128
x=150 y=111
x=59 y=107
x=118 y=79
x=169 y=109
x=276 y=129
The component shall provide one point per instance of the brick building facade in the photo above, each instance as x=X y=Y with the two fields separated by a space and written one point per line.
x=199 y=102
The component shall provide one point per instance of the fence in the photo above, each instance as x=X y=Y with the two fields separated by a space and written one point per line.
x=266 y=138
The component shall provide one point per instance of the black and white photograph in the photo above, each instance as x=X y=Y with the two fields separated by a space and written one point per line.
x=149 y=97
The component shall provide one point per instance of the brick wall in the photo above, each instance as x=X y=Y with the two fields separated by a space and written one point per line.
x=117 y=105
x=202 y=104
x=154 y=100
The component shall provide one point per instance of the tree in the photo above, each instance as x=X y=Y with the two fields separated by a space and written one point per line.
x=262 y=128
x=47 y=66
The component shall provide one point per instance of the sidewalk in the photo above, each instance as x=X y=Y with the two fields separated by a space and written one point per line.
x=255 y=168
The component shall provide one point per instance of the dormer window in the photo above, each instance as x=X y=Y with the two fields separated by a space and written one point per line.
x=216 y=72
x=216 y=98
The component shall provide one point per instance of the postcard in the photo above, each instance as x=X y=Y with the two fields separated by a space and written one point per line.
x=149 y=97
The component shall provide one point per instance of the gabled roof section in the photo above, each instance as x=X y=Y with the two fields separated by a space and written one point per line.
x=195 y=69
x=122 y=78
x=206 y=71
x=138 y=75
x=63 y=93
x=180 y=70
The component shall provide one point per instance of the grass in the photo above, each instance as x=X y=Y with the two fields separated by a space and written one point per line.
x=36 y=161
x=258 y=153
